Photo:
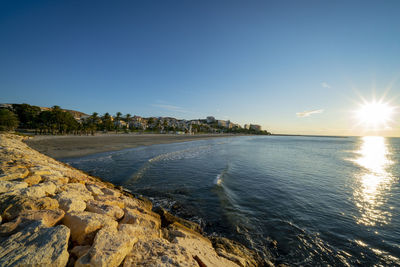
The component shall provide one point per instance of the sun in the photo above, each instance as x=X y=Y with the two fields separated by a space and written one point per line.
x=375 y=115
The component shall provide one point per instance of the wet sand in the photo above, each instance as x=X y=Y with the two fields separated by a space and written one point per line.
x=77 y=146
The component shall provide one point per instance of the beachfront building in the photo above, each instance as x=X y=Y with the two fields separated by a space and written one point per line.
x=120 y=123
x=222 y=123
x=255 y=127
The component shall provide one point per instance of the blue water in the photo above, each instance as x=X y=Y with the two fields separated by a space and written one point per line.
x=326 y=201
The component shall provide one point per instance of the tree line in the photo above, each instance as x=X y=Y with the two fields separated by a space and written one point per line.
x=53 y=121
x=58 y=121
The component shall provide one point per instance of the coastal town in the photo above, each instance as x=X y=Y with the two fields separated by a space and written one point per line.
x=44 y=120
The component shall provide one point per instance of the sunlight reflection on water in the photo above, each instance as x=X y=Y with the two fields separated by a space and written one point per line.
x=374 y=181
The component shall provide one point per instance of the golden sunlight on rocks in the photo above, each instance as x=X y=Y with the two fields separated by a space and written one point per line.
x=54 y=215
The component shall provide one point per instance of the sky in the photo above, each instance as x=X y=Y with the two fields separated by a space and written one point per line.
x=295 y=67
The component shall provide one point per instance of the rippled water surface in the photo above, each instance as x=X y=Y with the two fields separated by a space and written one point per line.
x=326 y=201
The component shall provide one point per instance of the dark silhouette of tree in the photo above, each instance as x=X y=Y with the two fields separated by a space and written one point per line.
x=8 y=120
x=27 y=115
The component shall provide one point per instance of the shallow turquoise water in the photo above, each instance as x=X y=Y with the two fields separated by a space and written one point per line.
x=326 y=201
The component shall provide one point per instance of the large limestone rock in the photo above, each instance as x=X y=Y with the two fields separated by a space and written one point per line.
x=70 y=202
x=39 y=190
x=47 y=203
x=111 y=192
x=135 y=203
x=7 y=186
x=110 y=200
x=197 y=245
x=84 y=225
x=32 y=179
x=13 y=172
x=36 y=246
x=150 y=220
x=77 y=189
x=159 y=252
x=12 y=205
x=40 y=170
x=58 y=179
x=47 y=218
x=167 y=219
x=72 y=197
x=114 y=212
x=95 y=189
x=109 y=248
x=236 y=252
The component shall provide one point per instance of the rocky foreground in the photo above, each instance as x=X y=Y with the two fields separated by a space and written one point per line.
x=55 y=215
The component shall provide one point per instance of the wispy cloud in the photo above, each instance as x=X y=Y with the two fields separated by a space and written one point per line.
x=308 y=113
x=325 y=85
x=170 y=108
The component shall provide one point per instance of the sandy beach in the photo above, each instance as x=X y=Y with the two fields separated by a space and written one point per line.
x=78 y=146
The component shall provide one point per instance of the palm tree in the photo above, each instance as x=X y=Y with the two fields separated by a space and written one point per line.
x=117 y=119
x=127 y=117
x=106 y=122
x=94 y=117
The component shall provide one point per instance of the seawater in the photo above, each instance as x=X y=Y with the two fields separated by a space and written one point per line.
x=326 y=201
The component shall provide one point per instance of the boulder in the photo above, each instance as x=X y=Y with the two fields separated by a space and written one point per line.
x=167 y=219
x=236 y=252
x=70 y=202
x=77 y=189
x=9 y=228
x=39 y=190
x=84 y=225
x=57 y=179
x=47 y=203
x=95 y=189
x=36 y=246
x=158 y=252
x=7 y=186
x=134 y=216
x=32 y=179
x=11 y=206
x=109 y=248
x=133 y=203
x=13 y=172
x=47 y=218
x=110 y=192
x=196 y=245
x=39 y=170
x=99 y=207
x=110 y=200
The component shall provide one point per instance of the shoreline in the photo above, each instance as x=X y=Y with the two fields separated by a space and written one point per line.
x=59 y=147
x=54 y=214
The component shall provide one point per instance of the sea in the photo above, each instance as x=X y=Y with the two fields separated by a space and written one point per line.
x=297 y=200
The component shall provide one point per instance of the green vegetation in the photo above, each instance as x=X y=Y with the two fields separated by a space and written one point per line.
x=59 y=121
x=8 y=120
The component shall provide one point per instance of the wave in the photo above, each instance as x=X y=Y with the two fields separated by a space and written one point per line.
x=169 y=156
x=219 y=178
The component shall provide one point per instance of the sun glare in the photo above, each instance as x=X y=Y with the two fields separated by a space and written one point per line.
x=375 y=115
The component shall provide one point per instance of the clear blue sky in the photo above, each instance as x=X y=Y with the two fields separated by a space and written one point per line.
x=248 y=61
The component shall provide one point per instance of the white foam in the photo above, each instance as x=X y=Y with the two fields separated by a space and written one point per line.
x=218 y=179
